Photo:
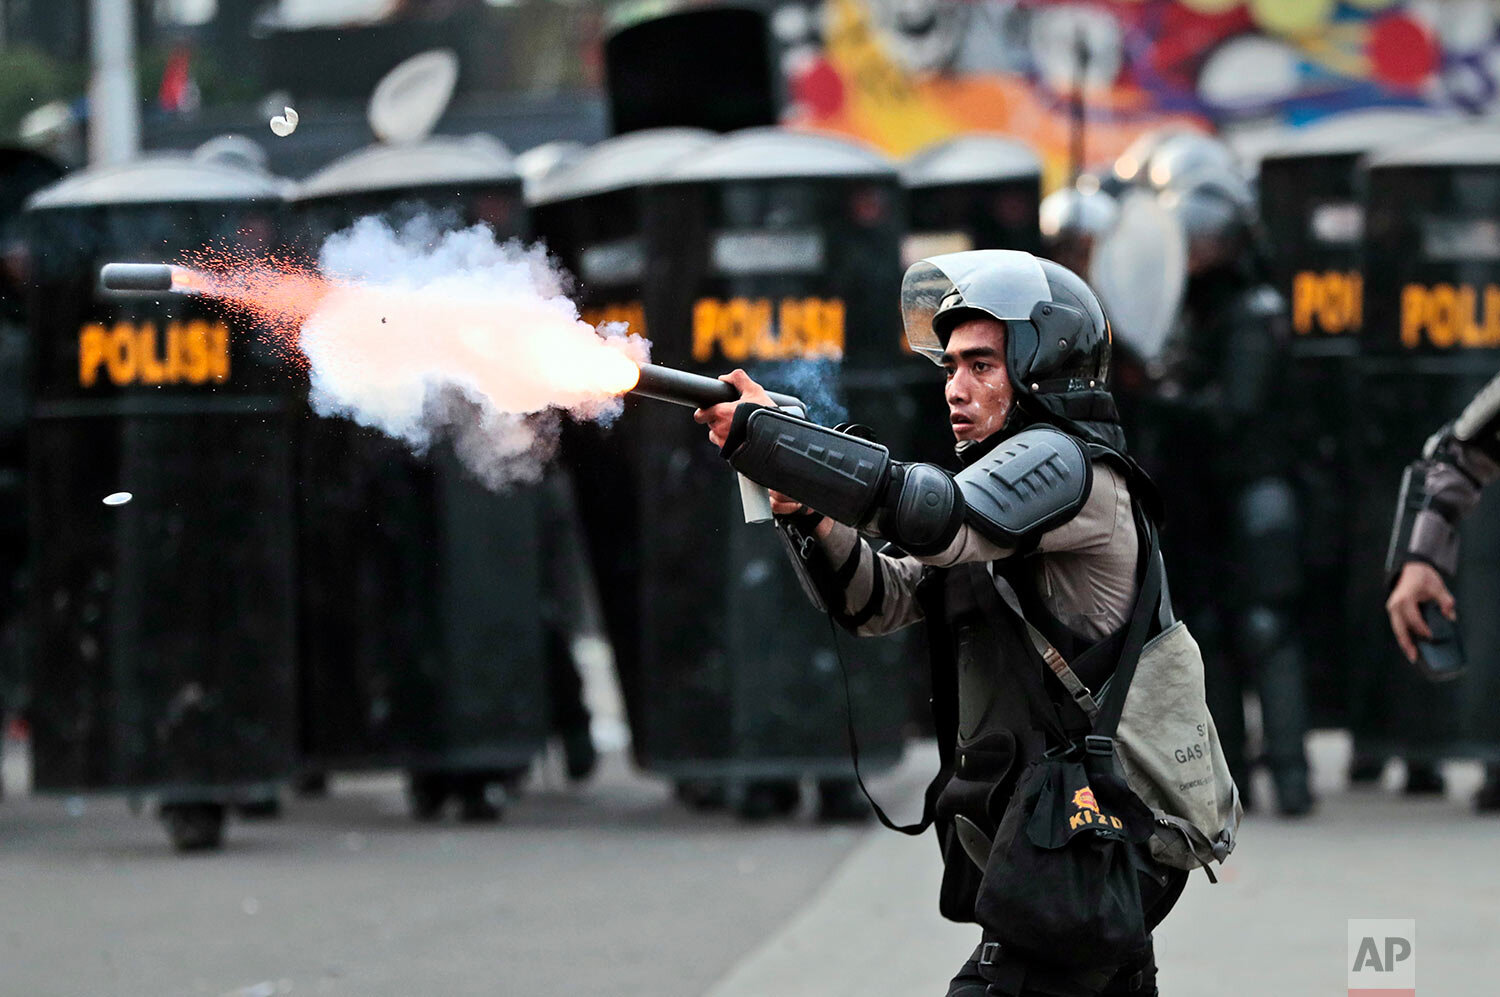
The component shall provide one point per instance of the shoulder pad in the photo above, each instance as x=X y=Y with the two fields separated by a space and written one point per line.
x=1029 y=484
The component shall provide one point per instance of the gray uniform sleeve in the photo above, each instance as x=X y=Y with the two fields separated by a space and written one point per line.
x=876 y=590
x=1446 y=483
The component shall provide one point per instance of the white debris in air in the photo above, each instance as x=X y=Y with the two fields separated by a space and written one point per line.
x=284 y=124
x=118 y=498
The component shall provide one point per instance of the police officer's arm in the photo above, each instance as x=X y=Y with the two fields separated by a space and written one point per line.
x=1004 y=504
x=1437 y=491
x=870 y=587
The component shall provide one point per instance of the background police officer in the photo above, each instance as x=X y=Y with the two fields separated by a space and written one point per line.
x=1041 y=528
x=1440 y=488
x=1211 y=427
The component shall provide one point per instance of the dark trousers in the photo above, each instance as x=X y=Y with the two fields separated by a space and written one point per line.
x=1002 y=975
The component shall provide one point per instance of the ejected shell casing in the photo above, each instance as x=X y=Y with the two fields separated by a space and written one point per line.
x=136 y=277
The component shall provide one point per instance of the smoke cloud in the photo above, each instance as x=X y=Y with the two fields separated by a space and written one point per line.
x=435 y=336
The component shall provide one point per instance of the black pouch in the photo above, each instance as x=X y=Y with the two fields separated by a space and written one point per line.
x=977 y=793
x=1061 y=886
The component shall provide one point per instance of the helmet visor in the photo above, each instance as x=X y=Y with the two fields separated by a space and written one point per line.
x=1003 y=283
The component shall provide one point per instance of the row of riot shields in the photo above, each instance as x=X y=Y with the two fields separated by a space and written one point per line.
x=1385 y=230
x=266 y=592
x=283 y=593
x=779 y=253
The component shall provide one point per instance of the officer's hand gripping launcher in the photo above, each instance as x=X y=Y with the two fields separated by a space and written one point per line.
x=696 y=391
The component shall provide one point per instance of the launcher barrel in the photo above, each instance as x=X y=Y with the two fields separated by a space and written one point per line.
x=680 y=387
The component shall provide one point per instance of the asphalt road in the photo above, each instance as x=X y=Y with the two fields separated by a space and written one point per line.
x=612 y=889
x=615 y=889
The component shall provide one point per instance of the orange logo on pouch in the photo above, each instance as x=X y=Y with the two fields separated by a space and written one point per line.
x=195 y=351
x=1086 y=812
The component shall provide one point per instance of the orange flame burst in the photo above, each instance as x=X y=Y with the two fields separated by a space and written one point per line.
x=275 y=291
x=280 y=292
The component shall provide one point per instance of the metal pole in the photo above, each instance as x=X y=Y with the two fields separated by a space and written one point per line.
x=114 y=110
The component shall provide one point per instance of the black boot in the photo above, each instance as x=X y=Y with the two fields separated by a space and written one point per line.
x=578 y=749
x=1487 y=800
x=1365 y=769
x=1293 y=793
x=1423 y=779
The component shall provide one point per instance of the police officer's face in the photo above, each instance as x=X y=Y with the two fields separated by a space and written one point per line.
x=979 y=392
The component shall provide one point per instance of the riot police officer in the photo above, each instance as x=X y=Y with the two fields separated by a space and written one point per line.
x=1041 y=533
x=1072 y=219
x=1210 y=426
x=1440 y=488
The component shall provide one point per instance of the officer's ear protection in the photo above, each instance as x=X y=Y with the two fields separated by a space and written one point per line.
x=1041 y=344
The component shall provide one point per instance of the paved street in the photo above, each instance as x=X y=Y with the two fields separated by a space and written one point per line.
x=616 y=889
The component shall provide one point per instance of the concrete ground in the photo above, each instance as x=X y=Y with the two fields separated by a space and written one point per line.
x=616 y=889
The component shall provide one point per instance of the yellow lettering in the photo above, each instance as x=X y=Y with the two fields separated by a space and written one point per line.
x=1077 y=820
x=1491 y=315
x=218 y=352
x=195 y=353
x=151 y=370
x=121 y=358
x=705 y=328
x=1470 y=332
x=1442 y=316
x=762 y=334
x=831 y=329
x=1305 y=287
x=1413 y=314
x=93 y=343
x=795 y=319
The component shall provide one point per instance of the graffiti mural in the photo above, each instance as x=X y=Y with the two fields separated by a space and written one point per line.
x=902 y=73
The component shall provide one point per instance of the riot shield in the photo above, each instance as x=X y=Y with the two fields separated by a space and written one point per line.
x=424 y=607
x=778 y=253
x=588 y=212
x=21 y=174
x=1139 y=272
x=163 y=626
x=1314 y=222
x=1431 y=340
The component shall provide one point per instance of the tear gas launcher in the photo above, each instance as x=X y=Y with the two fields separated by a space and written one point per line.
x=666 y=384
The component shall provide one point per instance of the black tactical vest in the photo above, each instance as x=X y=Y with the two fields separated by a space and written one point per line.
x=982 y=660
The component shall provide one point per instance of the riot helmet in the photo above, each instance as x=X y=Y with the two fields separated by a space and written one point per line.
x=1132 y=166
x=1200 y=182
x=1057 y=339
x=1072 y=219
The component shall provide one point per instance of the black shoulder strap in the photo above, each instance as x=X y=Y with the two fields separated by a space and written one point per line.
x=1146 y=604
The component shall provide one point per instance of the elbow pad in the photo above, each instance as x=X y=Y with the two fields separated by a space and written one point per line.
x=1031 y=483
x=921 y=510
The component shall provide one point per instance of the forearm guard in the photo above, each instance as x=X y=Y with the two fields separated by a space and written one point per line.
x=1436 y=493
x=852 y=480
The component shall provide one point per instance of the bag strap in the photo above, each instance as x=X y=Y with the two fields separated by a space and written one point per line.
x=1108 y=720
x=1150 y=600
